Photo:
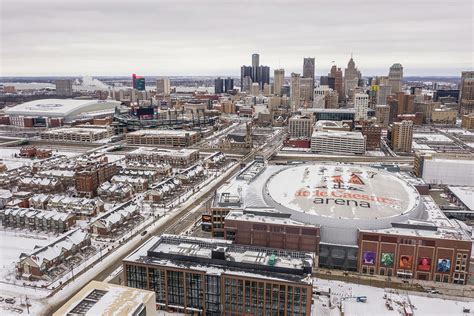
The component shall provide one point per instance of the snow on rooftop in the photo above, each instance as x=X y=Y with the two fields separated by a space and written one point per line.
x=465 y=195
x=56 y=107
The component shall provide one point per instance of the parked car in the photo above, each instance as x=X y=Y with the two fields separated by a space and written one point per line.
x=10 y=300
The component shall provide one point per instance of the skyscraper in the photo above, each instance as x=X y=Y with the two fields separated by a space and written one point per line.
x=382 y=94
x=258 y=73
x=307 y=91
x=401 y=136
x=295 y=91
x=228 y=84
x=308 y=67
x=263 y=76
x=466 y=95
x=278 y=81
x=406 y=103
x=163 y=86
x=336 y=73
x=361 y=105
x=255 y=67
x=351 y=77
x=218 y=85
x=395 y=76
x=245 y=71
x=64 y=87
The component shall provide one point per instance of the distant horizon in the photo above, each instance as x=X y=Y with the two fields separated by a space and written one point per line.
x=201 y=76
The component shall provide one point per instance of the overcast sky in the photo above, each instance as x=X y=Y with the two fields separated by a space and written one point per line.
x=196 y=37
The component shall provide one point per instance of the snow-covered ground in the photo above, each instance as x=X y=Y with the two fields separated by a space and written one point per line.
x=14 y=242
x=7 y=156
x=378 y=299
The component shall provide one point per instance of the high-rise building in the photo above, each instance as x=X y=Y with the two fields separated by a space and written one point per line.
x=372 y=133
x=307 y=91
x=336 y=73
x=401 y=136
x=255 y=67
x=395 y=76
x=246 y=84
x=361 y=105
x=255 y=91
x=295 y=91
x=163 y=86
x=406 y=103
x=258 y=73
x=466 y=95
x=267 y=89
x=308 y=67
x=351 y=77
x=218 y=85
x=300 y=126
x=263 y=76
x=64 y=87
x=228 y=84
x=383 y=91
x=245 y=71
x=278 y=80
x=382 y=113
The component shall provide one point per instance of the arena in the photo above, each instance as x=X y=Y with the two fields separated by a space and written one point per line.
x=353 y=216
x=47 y=112
x=340 y=198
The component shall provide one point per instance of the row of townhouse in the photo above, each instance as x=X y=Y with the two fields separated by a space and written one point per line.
x=33 y=219
x=10 y=178
x=163 y=190
x=81 y=207
x=38 y=263
x=115 y=192
x=109 y=222
x=39 y=184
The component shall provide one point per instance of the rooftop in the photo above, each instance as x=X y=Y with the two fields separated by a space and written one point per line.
x=100 y=298
x=344 y=134
x=223 y=257
x=465 y=195
x=58 y=107
x=163 y=132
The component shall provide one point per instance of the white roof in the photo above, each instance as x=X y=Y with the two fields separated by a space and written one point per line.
x=163 y=132
x=56 y=107
x=465 y=195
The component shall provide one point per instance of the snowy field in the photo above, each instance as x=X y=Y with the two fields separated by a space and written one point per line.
x=376 y=304
x=14 y=242
x=7 y=156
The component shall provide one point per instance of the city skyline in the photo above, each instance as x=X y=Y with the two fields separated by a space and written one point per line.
x=177 y=39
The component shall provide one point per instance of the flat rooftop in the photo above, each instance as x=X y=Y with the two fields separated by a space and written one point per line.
x=241 y=215
x=162 y=132
x=465 y=195
x=200 y=254
x=100 y=298
x=162 y=151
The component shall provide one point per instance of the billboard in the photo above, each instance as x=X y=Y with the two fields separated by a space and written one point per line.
x=406 y=262
x=206 y=218
x=387 y=259
x=369 y=257
x=444 y=265
x=424 y=264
